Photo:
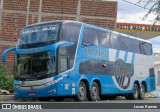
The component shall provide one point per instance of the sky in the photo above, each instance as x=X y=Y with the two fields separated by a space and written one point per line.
x=130 y=13
x=156 y=44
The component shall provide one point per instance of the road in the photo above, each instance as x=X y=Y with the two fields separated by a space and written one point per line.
x=69 y=100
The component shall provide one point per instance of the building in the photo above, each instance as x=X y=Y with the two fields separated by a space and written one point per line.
x=157 y=69
x=15 y=14
x=144 y=31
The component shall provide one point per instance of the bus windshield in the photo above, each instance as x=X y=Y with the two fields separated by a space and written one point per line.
x=33 y=67
x=39 y=35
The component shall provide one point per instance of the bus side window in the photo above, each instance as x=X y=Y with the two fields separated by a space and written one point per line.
x=136 y=48
x=126 y=43
x=115 y=41
x=63 y=64
x=70 y=32
x=146 y=48
x=103 y=39
x=90 y=37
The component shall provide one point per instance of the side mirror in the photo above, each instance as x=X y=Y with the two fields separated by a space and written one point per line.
x=4 y=54
x=62 y=44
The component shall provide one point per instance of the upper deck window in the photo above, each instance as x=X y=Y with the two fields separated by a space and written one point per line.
x=90 y=37
x=38 y=35
x=94 y=37
x=97 y=37
x=70 y=32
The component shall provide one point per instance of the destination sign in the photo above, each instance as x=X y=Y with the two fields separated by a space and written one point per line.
x=39 y=29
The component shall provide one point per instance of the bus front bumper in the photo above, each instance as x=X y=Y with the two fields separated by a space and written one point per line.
x=49 y=91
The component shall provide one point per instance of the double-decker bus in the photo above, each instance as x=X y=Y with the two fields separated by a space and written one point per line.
x=68 y=58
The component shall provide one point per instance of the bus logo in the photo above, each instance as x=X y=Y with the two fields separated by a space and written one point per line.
x=122 y=73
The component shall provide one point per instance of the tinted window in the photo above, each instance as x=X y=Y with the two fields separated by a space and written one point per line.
x=122 y=42
x=63 y=64
x=126 y=43
x=103 y=38
x=70 y=32
x=115 y=41
x=39 y=35
x=90 y=37
x=66 y=55
x=146 y=48
x=136 y=46
x=34 y=66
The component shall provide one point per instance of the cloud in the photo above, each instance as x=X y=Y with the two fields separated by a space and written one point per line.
x=156 y=48
x=156 y=44
x=125 y=7
x=155 y=40
x=135 y=18
x=131 y=13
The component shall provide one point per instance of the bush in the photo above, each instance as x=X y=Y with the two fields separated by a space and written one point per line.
x=6 y=81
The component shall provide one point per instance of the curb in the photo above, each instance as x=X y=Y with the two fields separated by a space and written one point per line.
x=12 y=97
x=149 y=95
x=7 y=97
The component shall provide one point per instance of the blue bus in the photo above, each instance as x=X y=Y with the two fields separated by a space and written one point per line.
x=68 y=58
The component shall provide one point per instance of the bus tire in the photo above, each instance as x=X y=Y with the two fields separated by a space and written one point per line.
x=142 y=92
x=58 y=98
x=127 y=97
x=94 y=93
x=44 y=98
x=82 y=92
x=135 y=94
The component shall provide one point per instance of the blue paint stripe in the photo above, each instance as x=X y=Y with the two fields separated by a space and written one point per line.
x=133 y=58
x=126 y=56
x=117 y=54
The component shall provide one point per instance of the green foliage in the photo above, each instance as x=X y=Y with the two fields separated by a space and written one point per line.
x=154 y=8
x=6 y=81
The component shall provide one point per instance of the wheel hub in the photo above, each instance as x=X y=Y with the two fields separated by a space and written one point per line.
x=136 y=92
x=94 y=91
x=81 y=91
x=142 y=91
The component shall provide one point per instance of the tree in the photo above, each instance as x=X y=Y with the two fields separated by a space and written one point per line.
x=6 y=81
x=154 y=8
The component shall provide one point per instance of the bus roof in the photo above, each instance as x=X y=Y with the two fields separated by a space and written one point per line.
x=64 y=21
x=46 y=22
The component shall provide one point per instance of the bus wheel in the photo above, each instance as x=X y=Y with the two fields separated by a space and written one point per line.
x=142 y=92
x=58 y=99
x=94 y=93
x=44 y=98
x=127 y=97
x=135 y=94
x=82 y=92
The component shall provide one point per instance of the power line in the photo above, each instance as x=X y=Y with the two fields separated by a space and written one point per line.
x=135 y=4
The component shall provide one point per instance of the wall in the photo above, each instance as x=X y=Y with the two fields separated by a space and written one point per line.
x=157 y=76
x=15 y=14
